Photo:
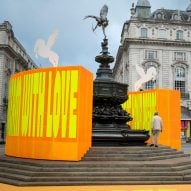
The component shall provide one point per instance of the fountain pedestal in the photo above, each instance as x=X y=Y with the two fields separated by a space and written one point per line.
x=109 y=118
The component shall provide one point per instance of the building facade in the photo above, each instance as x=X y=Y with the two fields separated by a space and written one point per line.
x=160 y=40
x=13 y=59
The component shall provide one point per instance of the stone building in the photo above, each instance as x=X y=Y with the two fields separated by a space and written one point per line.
x=13 y=59
x=160 y=40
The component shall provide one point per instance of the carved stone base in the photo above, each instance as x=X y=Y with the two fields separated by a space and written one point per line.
x=108 y=136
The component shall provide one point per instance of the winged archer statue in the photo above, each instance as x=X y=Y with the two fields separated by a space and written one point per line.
x=102 y=21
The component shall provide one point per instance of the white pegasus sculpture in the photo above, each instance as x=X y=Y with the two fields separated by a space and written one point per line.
x=150 y=74
x=44 y=49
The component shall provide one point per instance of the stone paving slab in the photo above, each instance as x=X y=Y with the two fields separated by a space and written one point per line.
x=4 y=187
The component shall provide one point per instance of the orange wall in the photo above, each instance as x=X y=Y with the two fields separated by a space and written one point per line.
x=142 y=105
x=50 y=113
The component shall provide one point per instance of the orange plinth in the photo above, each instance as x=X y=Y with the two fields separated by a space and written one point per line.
x=50 y=113
x=142 y=105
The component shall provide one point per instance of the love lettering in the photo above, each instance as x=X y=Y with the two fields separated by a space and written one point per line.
x=43 y=104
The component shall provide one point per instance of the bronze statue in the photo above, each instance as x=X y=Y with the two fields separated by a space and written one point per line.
x=102 y=20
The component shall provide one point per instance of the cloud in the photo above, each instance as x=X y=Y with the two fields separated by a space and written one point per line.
x=76 y=44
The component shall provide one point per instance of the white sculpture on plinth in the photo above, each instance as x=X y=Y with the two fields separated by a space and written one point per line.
x=44 y=49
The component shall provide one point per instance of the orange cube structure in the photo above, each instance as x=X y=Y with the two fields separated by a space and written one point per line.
x=50 y=113
x=142 y=105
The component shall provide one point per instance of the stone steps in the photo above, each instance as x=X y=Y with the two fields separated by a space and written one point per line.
x=98 y=177
x=102 y=166
x=137 y=155
x=152 y=157
x=21 y=170
x=132 y=152
x=148 y=151
x=140 y=153
x=91 y=172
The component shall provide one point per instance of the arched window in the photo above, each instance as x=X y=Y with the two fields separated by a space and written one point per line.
x=179 y=35
x=180 y=73
x=180 y=79
x=143 y=32
x=159 y=16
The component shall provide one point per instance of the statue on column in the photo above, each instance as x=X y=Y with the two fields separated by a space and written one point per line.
x=102 y=21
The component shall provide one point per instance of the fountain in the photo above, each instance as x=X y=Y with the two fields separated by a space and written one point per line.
x=109 y=118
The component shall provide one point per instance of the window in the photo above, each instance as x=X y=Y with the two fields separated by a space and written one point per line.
x=180 y=79
x=18 y=67
x=180 y=85
x=159 y=16
x=150 y=55
x=6 y=90
x=179 y=35
x=8 y=63
x=151 y=70
x=162 y=33
x=150 y=85
x=180 y=56
x=143 y=33
x=180 y=73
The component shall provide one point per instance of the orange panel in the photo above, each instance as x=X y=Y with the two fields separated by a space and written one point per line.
x=142 y=106
x=50 y=113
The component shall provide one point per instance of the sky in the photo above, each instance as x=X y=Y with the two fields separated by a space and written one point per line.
x=76 y=44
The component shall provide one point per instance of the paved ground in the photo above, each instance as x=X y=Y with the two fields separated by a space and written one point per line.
x=99 y=188
x=186 y=147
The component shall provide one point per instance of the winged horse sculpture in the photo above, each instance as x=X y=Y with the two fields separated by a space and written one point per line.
x=150 y=74
x=102 y=21
x=43 y=49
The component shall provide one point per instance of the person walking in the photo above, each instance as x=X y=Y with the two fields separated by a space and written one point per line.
x=157 y=127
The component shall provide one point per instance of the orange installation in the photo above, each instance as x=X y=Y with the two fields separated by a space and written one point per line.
x=50 y=113
x=142 y=105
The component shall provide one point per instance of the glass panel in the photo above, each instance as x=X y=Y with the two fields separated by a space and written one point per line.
x=179 y=35
x=180 y=85
x=180 y=56
x=180 y=74
x=150 y=54
x=144 y=33
x=150 y=85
